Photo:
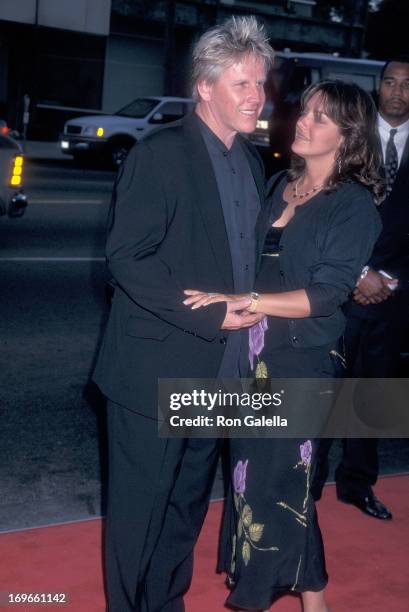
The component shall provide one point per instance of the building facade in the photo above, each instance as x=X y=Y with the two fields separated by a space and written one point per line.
x=77 y=56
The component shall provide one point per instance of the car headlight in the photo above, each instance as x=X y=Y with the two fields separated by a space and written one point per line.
x=93 y=130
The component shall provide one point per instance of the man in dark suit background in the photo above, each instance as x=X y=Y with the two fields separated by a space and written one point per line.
x=377 y=316
x=183 y=215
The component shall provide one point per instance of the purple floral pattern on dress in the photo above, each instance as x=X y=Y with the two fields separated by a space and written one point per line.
x=300 y=515
x=239 y=477
x=248 y=532
x=306 y=452
x=256 y=339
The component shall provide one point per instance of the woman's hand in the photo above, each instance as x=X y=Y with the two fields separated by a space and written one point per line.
x=197 y=299
x=288 y=304
x=237 y=316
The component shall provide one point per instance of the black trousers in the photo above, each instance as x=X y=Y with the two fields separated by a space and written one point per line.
x=158 y=496
x=372 y=350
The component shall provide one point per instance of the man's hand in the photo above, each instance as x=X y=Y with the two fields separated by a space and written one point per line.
x=359 y=298
x=372 y=289
x=237 y=317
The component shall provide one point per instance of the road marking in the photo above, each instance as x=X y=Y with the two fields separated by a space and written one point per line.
x=52 y=258
x=64 y=201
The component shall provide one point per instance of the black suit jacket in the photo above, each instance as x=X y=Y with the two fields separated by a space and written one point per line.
x=166 y=234
x=391 y=252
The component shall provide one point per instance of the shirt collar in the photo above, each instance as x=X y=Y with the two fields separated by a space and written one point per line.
x=385 y=127
x=215 y=140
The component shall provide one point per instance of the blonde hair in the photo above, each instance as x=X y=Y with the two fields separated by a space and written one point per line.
x=225 y=44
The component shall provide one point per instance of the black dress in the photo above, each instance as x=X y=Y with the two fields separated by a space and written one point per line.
x=271 y=542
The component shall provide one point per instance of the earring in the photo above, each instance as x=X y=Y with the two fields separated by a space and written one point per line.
x=339 y=165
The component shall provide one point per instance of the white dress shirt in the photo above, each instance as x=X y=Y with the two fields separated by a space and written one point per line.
x=400 y=137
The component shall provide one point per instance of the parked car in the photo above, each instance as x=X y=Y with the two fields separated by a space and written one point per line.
x=111 y=136
x=13 y=201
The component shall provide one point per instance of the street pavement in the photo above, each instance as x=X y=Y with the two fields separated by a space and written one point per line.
x=37 y=150
x=53 y=309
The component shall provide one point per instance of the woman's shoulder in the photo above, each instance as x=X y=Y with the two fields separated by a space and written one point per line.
x=351 y=195
x=348 y=189
x=353 y=202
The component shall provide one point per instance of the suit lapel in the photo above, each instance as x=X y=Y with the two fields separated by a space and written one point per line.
x=395 y=205
x=404 y=164
x=210 y=207
x=256 y=169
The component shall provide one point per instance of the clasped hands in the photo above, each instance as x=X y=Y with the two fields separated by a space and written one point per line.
x=373 y=288
x=237 y=315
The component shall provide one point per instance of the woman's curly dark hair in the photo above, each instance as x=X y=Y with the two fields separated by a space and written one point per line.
x=359 y=156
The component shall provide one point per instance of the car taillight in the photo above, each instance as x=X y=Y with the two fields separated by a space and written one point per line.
x=17 y=171
x=4 y=130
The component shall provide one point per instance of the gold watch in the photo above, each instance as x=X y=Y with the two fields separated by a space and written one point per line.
x=254 y=302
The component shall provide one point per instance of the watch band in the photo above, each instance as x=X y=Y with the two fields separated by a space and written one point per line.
x=254 y=302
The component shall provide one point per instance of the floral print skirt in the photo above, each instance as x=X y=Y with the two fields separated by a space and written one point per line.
x=271 y=542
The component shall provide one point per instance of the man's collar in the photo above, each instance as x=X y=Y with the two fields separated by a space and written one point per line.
x=384 y=125
x=213 y=137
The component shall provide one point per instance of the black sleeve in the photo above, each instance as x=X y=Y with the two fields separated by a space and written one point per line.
x=140 y=214
x=351 y=234
x=391 y=252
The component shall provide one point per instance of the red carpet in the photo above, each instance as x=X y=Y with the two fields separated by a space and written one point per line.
x=368 y=560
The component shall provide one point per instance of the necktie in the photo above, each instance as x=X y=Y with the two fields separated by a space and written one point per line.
x=391 y=161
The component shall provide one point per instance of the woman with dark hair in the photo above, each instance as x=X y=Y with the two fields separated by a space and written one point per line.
x=320 y=227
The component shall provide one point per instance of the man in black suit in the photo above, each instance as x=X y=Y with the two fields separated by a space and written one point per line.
x=377 y=316
x=183 y=215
